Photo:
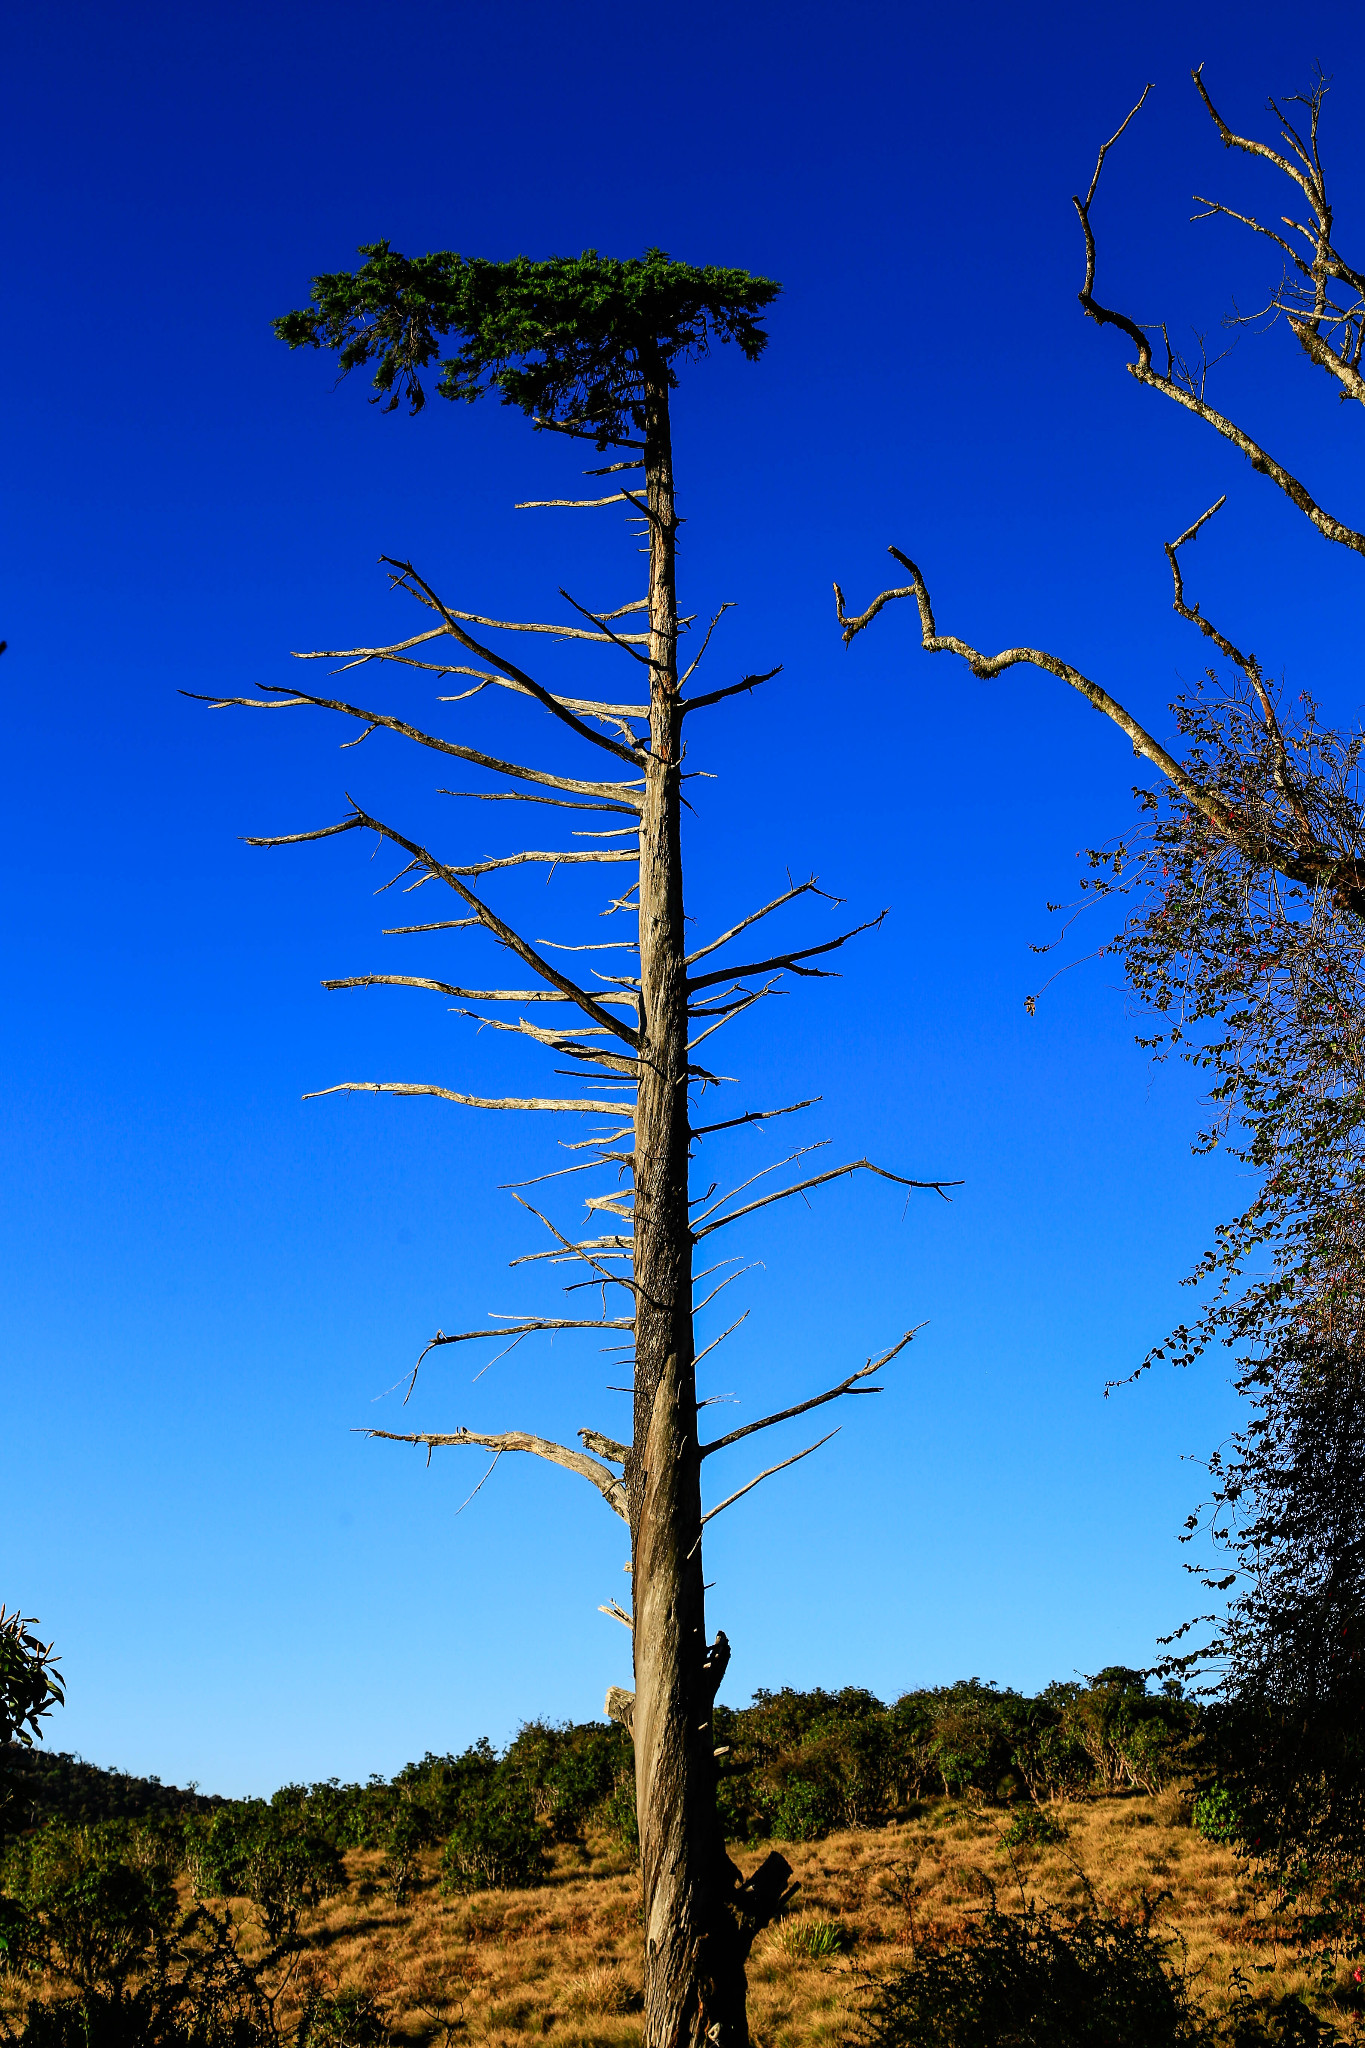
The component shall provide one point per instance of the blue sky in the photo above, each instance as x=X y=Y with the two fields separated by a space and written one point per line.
x=208 y=1283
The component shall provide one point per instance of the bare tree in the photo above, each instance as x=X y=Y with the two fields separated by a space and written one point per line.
x=587 y=349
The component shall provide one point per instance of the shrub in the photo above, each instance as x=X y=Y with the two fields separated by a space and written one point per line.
x=86 y=1902
x=351 y=2019
x=569 y=1770
x=269 y=1855
x=804 y=1812
x=1034 y=1981
x=619 y=1816
x=495 y=1843
x=1032 y=1824
x=1216 y=1816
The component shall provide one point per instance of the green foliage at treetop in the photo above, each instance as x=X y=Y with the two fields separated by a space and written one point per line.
x=571 y=340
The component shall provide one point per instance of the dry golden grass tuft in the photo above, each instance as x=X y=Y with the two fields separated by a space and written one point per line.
x=562 y=1963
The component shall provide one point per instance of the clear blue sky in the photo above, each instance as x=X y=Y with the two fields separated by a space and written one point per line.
x=209 y=1283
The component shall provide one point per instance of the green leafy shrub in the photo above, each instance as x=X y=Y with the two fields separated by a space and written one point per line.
x=619 y=1815
x=803 y=1812
x=1216 y=1815
x=350 y=2019
x=88 y=1902
x=271 y=1856
x=495 y=1843
x=568 y=1769
x=1033 y=1980
x=1032 y=1825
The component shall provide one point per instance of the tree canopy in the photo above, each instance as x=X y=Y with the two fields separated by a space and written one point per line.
x=571 y=340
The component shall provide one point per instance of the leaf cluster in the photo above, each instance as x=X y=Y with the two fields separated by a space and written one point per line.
x=571 y=340
x=1259 y=982
x=30 y=1685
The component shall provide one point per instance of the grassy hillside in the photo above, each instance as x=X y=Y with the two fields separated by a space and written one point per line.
x=561 y=1962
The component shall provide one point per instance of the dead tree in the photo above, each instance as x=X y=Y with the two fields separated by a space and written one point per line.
x=587 y=349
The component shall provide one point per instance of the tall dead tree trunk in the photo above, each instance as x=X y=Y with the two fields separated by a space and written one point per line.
x=701 y=1914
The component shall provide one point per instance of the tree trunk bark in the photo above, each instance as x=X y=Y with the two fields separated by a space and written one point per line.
x=695 y=1986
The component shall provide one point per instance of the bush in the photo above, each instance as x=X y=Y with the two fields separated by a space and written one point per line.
x=89 y=1902
x=569 y=1770
x=1216 y=1815
x=1031 y=1825
x=352 y=2019
x=619 y=1816
x=804 y=1812
x=495 y=1844
x=1034 y=1981
x=271 y=1856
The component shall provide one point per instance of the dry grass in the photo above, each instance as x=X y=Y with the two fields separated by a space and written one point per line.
x=562 y=1962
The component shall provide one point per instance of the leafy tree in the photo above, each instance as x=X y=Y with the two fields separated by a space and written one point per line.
x=590 y=348
x=1285 y=1744
x=1243 y=888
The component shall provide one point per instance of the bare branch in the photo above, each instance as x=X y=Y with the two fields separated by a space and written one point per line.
x=605 y=1446
x=493 y=923
x=579 y=1166
x=800 y=889
x=568 y=1047
x=284 y=699
x=716 y=696
x=1107 y=146
x=1142 y=368
x=758 y=1480
x=788 y=961
x=848 y=1386
x=589 y=707
x=755 y=1116
x=621 y=640
x=709 y=1348
x=442 y=924
x=614 y=1246
x=523 y=796
x=733 y=1010
x=408 y=577
x=693 y=666
x=548 y=426
x=775 y=1167
x=591 y=1469
x=576 y=1251
x=835 y=1173
x=470 y=1101
x=577 y=504
x=446 y=988
x=358 y=654
x=597 y=856
x=1345 y=876
x=1252 y=148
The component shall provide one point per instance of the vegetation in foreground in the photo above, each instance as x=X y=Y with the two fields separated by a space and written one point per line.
x=974 y=1867
x=560 y=1960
